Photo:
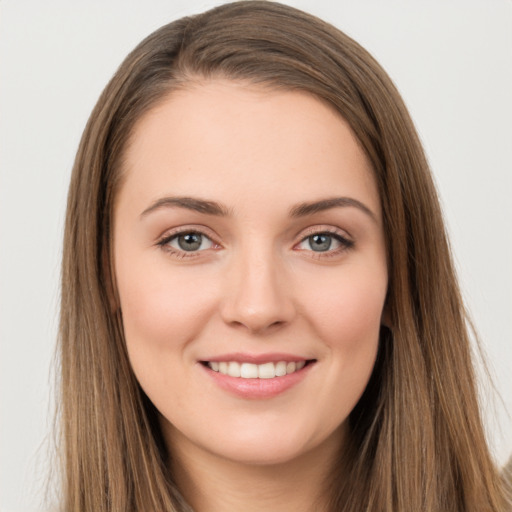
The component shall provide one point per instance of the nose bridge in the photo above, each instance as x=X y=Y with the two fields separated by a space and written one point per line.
x=258 y=295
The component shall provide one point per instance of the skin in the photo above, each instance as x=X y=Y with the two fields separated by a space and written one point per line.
x=255 y=286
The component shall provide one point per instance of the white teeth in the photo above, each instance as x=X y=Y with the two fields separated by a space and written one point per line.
x=234 y=369
x=249 y=371
x=280 y=369
x=267 y=371
x=255 y=371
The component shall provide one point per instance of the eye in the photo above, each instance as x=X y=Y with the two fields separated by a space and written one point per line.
x=319 y=243
x=187 y=241
x=325 y=242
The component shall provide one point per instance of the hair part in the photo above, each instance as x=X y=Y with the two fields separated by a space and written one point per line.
x=417 y=440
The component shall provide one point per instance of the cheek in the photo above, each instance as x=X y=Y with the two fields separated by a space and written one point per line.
x=162 y=315
x=347 y=309
x=162 y=310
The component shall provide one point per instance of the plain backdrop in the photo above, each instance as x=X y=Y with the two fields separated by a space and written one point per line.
x=451 y=60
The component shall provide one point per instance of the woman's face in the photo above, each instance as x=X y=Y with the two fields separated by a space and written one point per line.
x=251 y=270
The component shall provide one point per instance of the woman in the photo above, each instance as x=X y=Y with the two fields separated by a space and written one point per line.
x=259 y=308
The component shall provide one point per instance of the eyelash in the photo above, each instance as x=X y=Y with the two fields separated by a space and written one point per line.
x=182 y=254
x=345 y=243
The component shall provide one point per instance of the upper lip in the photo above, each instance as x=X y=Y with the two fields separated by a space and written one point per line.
x=273 y=357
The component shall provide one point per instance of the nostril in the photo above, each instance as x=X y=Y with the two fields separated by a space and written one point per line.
x=258 y=324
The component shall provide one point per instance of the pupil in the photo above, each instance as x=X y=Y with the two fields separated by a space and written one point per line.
x=190 y=241
x=320 y=242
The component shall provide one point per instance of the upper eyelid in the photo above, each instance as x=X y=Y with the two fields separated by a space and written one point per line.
x=332 y=230
x=192 y=228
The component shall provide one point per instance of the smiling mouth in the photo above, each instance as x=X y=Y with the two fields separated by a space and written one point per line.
x=257 y=371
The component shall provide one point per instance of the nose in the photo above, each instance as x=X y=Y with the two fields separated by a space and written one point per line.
x=258 y=294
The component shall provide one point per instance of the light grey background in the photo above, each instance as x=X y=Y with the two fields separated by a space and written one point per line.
x=451 y=59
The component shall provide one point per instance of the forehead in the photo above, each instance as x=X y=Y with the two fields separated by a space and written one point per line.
x=222 y=135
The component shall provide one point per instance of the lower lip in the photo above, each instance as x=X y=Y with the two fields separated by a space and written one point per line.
x=257 y=389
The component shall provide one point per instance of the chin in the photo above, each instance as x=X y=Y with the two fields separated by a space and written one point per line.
x=262 y=453
x=263 y=444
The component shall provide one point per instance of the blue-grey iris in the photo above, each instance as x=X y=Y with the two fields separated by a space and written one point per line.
x=190 y=241
x=320 y=242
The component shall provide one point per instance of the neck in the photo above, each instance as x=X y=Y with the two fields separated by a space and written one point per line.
x=210 y=483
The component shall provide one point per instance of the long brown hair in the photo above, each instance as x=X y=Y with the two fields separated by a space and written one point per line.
x=417 y=441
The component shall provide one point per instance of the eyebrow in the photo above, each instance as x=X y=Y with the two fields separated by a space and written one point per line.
x=217 y=209
x=189 y=203
x=304 y=209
